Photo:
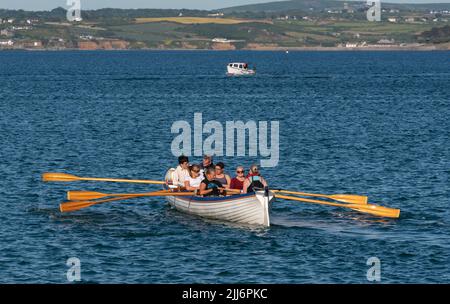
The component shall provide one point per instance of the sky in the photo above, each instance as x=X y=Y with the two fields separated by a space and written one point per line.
x=177 y=4
x=95 y=4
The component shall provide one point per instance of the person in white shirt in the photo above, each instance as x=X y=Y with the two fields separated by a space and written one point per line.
x=181 y=171
x=193 y=179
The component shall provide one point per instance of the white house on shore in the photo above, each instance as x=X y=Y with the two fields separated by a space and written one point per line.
x=6 y=43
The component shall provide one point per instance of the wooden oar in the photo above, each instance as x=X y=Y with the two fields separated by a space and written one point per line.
x=346 y=198
x=64 y=177
x=371 y=209
x=74 y=206
x=91 y=195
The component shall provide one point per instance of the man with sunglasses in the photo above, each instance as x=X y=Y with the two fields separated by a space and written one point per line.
x=254 y=180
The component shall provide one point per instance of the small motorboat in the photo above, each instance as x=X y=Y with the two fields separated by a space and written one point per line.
x=239 y=69
x=250 y=208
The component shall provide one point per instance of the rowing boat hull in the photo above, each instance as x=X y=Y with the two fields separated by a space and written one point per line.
x=252 y=208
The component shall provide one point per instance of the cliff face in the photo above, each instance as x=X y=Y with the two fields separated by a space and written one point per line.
x=87 y=45
x=103 y=45
x=114 y=44
x=222 y=46
x=262 y=46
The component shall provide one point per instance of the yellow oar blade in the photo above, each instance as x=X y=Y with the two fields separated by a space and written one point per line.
x=378 y=210
x=370 y=209
x=84 y=195
x=59 y=177
x=74 y=206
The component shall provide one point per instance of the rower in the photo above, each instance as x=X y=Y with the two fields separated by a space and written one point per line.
x=221 y=177
x=206 y=163
x=209 y=186
x=181 y=171
x=193 y=179
x=254 y=180
x=237 y=182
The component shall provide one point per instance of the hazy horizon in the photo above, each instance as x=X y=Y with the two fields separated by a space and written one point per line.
x=32 y=5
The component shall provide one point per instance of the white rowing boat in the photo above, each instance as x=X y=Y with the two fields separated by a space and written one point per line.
x=250 y=208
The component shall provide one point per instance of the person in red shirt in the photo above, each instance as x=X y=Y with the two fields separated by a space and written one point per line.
x=238 y=181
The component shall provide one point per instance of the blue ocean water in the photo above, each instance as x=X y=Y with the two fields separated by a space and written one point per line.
x=370 y=123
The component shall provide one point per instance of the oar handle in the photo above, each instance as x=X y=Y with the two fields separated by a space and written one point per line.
x=345 y=198
x=65 y=177
x=311 y=201
x=77 y=205
x=155 y=193
x=121 y=180
x=300 y=193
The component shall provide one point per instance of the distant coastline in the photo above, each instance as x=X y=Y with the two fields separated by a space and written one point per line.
x=325 y=26
x=423 y=48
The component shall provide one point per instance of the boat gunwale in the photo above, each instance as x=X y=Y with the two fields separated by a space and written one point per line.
x=214 y=199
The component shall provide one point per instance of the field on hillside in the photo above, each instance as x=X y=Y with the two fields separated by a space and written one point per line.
x=198 y=20
x=353 y=31
x=160 y=31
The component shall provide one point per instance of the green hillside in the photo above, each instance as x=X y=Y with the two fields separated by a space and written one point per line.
x=307 y=5
x=285 y=6
x=275 y=25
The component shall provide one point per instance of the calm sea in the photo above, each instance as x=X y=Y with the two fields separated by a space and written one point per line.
x=370 y=123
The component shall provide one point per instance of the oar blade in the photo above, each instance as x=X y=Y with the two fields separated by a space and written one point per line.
x=58 y=177
x=350 y=198
x=74 y=206
x=84 y=195
x=378 y=211
x=370 y=209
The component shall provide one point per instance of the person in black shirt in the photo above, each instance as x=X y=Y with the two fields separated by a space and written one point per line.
x=209 y=186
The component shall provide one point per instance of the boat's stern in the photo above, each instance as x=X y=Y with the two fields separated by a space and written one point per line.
x=265 y=198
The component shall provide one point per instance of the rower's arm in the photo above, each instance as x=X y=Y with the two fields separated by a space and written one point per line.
x=263 y=181
x=203 y=190
x=187 y=185
x=246 y=184
x=228 y=178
